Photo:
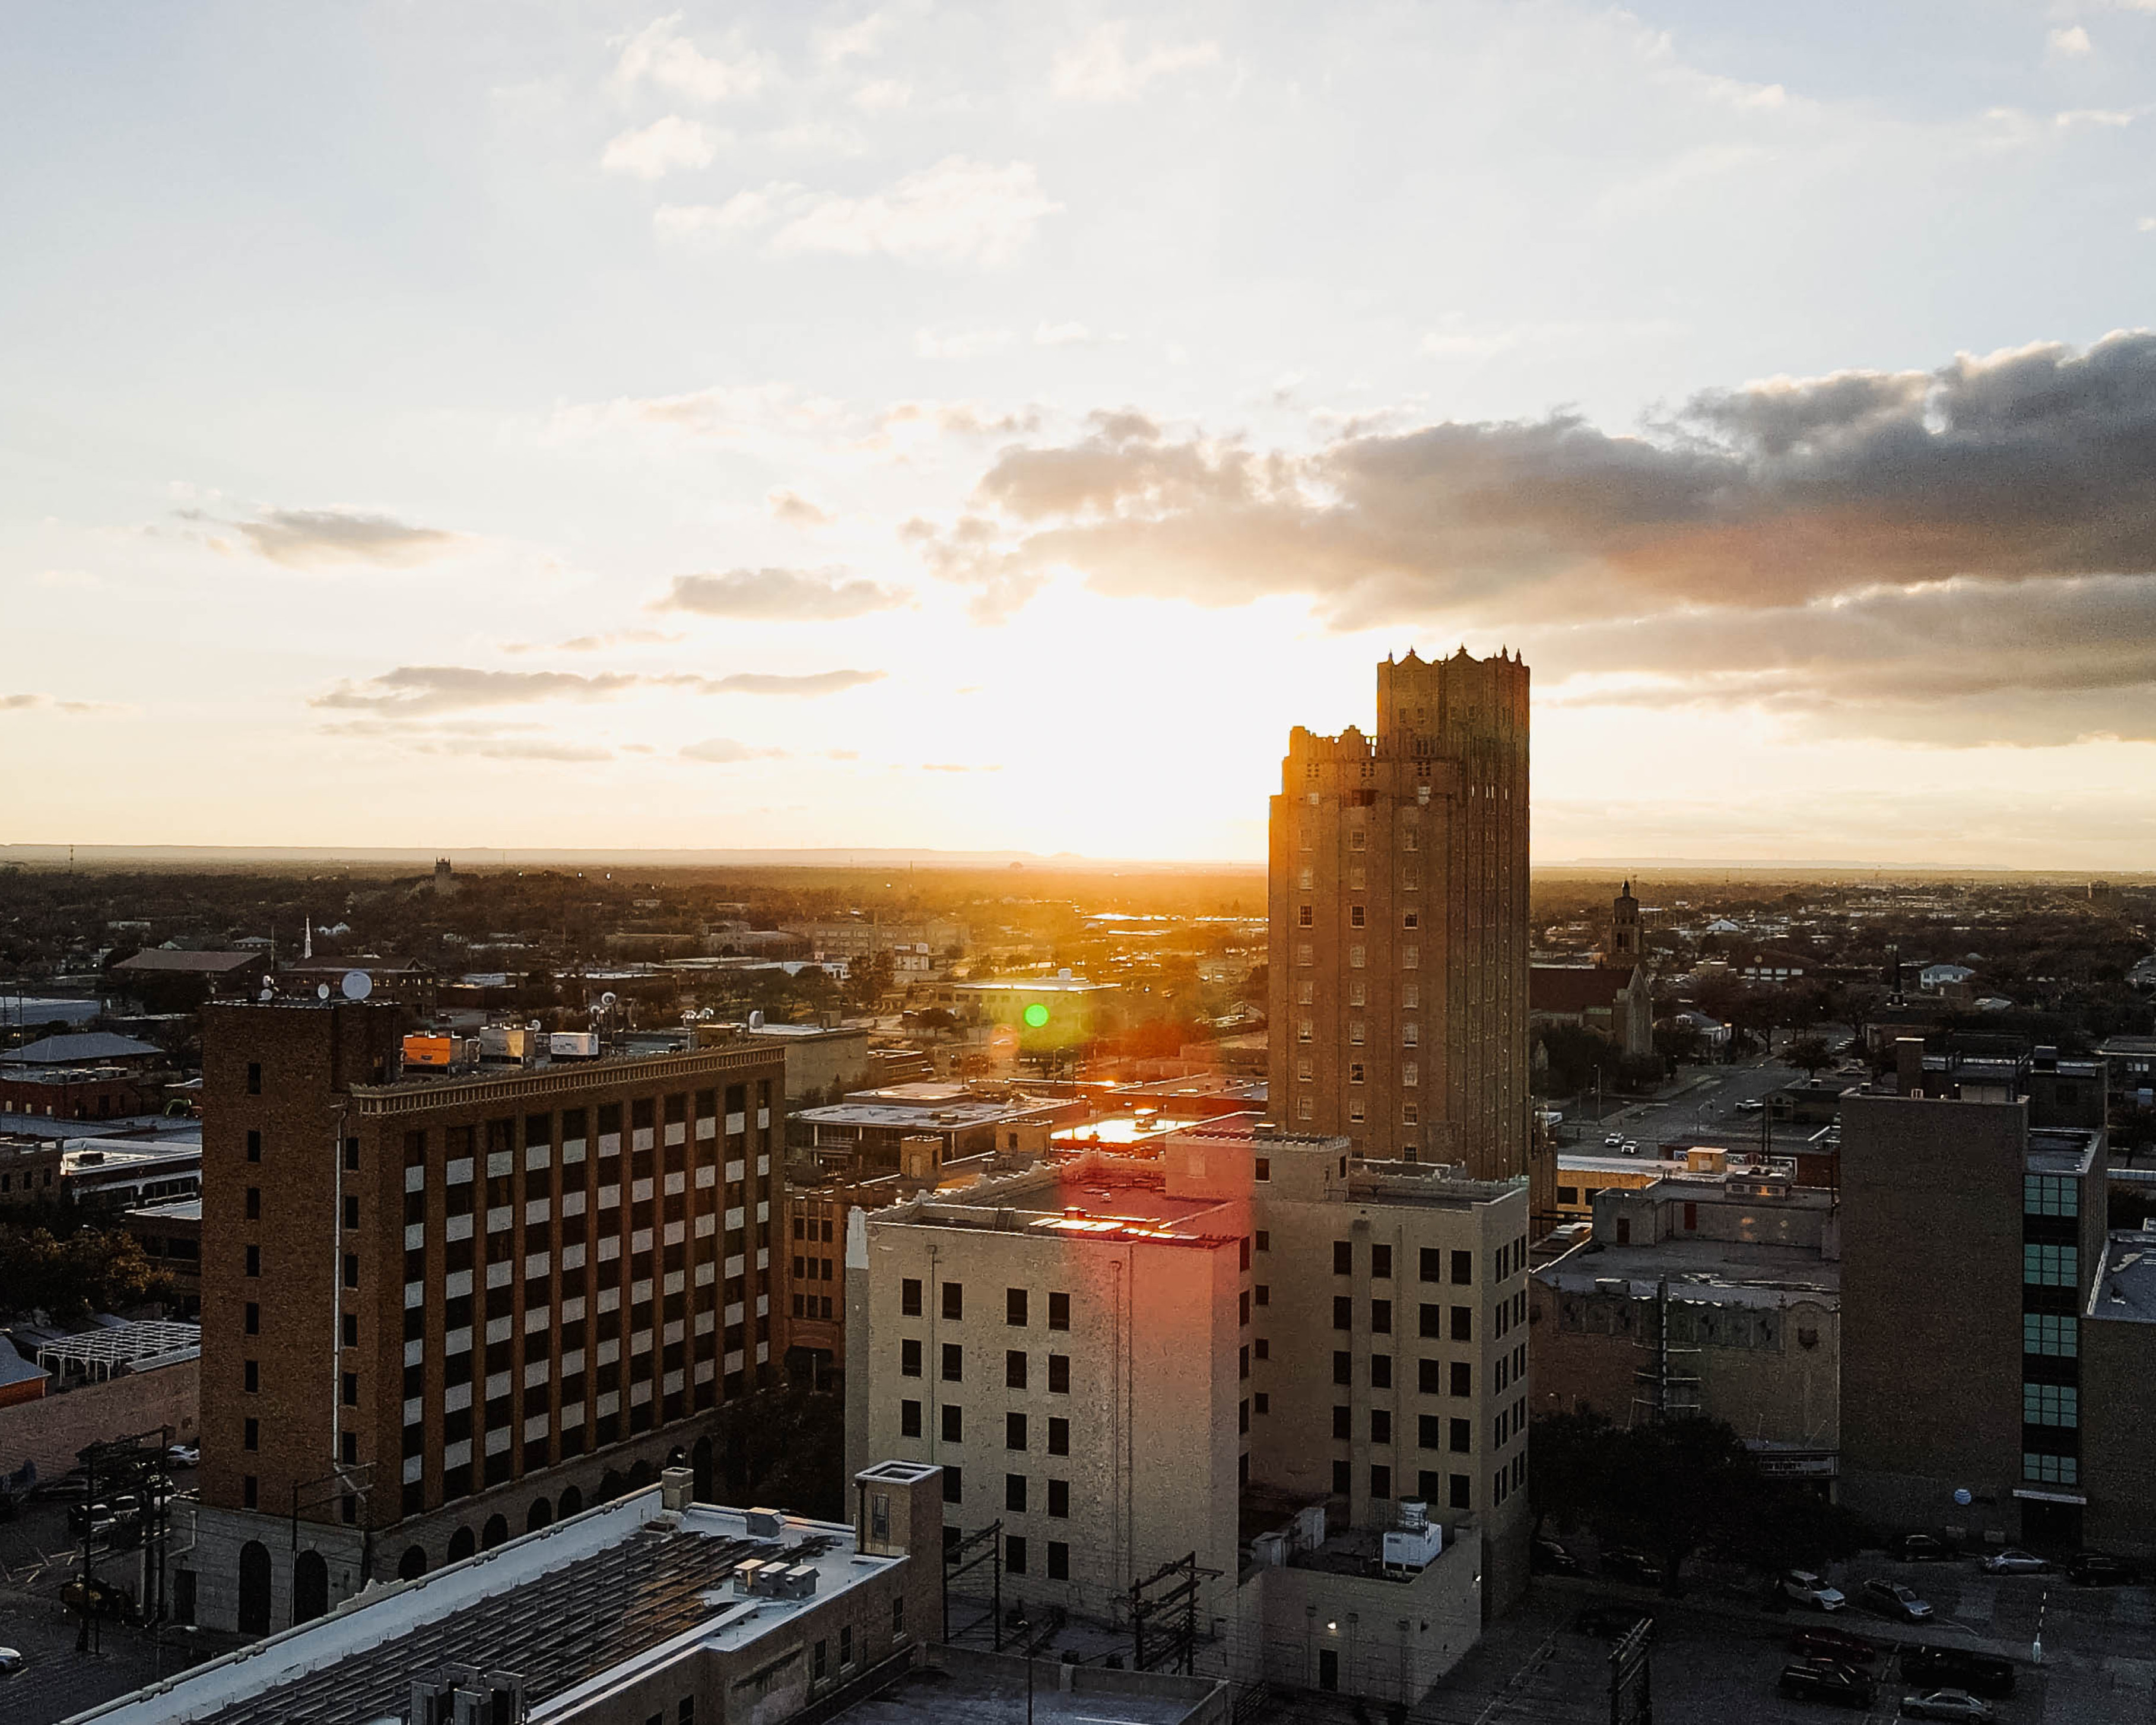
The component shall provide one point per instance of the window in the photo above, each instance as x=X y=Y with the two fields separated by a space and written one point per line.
x=1411 y=996
x=1058 y=1498
x=1058 y=1374
x=1381 y=1426
x=1264 y=1402
x=1381 y=1317
x=351 y=1329
x=1381 y=1262
x=1340 y=1478
x=2043 y=1333
x=1304 y=917
x=1265 y=1237
x=1355 y=1108
x=1355 y=917
x=1354 y=1072
x=351 y=1269
x=352 y=1390
x=1408 y=1034
x=251 y=1436
x=2050 y=1469
x=909 y=1296
x=909 y=1357
x=1264 y=1293
x=1429 y=1431
x=254 y=1078
x=2046 y=1266
x=1343 y=1257
x=909 y=1420
x=1356 y=993
x=1408 y=958
x=253 y=1203
x=1014 y=1554
x=1343 y=1424
x=1455 y=1490
x=1343 y=1367
x=1014 y=1369
x=1381 y=1481
x=1463 y=1378
x=254 y=1261
x=1568 y=1194
x=1305 y=953
x=1343 y=1312
x=1462 y=1434
x=954 y=1363
x=954 y=1424
x=1433 y=1265
x=251 y=1376
x=1306 y=993
x=1059 y=1561
x=1264 y=1172
x=1013 y=1431
x=254 y=1147
x=1430 y=1377
x=2050 y=1195
x=2050 y=1404
x=954 y=1301
x=1058 y=1311
x=1411 y=920
x=1463 y=1270
x=1014 y=1304
x=254 y=1318
x=1381 y=1371
x=1410 y=1115
x=1356 y=957
x=1410 y=1076
x=1463 y=1323
x=1059 y=1436
x=250 y=1490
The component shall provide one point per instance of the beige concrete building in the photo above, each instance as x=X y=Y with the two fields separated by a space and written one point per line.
x=1398 y=914
x=1256 y=1348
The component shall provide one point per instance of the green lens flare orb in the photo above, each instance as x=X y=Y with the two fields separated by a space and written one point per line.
x=1036 y=1015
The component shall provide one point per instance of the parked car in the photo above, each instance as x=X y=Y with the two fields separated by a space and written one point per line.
x=1822 y=1679
x=1630 y=1147
x=1924 y=1548
x=1623 y=1563
x=1613 y=1141
x=1800 y=1587
x=1611 y=1620
x=1958 y=1668
x=2097 y=1569
x=101 y=1597
x=2013 y=1561
x=184 y=1455
x=1891 y=1598
x=1948 y=1704
x=11 y=1661
x=1552 y=1558
x=1750 y=1105
x=1832 y=1644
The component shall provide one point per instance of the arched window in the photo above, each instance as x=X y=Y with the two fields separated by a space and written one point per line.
x=496 y=1531
x=254 y=1588
x=462 y=1545
x=413 y=1564
x=542 y=1513
x=310 y=1587
x=572 y=1503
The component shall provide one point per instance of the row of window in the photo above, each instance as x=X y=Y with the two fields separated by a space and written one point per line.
x=1016 y=1367
x=1305 y=994
x=1307 y=1031
x=2050 y=1195
x=2050 y=1266
x=1452 y=1490
x=1358 y=955
x=1018 y=1428
x=2050 y=1404
x=1306 y=916
x=1432 y=1263
x=1018 y=1302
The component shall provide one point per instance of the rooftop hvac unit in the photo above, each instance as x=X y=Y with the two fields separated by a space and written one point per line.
x=1412 y=1547
x=764 y=1524
x=797 y=1582
x=746 y=1574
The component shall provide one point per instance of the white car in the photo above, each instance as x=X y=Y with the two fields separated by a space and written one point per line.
x=184 y=1455
x=11 y=1661
x=1802 y=1587
x=1946 y=1704
x=1613 y=1141
x=1750 y=1105
x=2013 y=1561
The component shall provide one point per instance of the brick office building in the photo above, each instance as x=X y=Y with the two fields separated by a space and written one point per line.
x=437 y=1309
x=1399 y=923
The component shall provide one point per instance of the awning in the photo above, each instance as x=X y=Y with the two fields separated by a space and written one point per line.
x=2036 y=1497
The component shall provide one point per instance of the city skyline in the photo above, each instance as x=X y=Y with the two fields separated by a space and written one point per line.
x=979 y=428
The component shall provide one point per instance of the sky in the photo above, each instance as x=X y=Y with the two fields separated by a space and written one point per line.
x=980 y=426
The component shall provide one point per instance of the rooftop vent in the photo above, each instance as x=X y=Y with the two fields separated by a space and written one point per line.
x=765 y=1524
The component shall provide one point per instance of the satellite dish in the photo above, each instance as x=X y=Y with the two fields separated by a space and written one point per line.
x=268 y=993
x=357 y=985
x=607 y=998
x=321 y=990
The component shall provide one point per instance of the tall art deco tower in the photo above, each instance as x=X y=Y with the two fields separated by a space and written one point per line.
x=1398 y=910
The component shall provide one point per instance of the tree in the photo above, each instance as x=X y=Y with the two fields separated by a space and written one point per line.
x=1570 y=1478
x=1810 y=1054
x=1675 y=1485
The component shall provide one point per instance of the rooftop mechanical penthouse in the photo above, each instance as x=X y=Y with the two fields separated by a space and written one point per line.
x=440 y=1310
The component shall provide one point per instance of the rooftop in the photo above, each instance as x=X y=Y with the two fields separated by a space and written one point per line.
x=981 y=1689
x=161 y=960
x=1730 y=1272
x=84 y=1049
x=575 y=1605
x=2124 y=1289
x=2061 y=1150
x=912 y=1117
x=1039 y=985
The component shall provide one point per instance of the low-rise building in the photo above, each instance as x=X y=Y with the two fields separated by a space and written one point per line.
x=1614 y=1001
x=1118 y=1363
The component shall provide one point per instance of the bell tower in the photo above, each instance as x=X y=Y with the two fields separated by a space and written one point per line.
x=1625 y=946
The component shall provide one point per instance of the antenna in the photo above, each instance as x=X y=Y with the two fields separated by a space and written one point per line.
x=357 y=985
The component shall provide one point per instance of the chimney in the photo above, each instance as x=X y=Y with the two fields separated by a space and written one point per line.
x=676 y=1485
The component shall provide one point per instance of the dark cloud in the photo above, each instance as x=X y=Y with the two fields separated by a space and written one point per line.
x=415 y=690
x=779 y=595
x=307 y=538
x=2038 y=463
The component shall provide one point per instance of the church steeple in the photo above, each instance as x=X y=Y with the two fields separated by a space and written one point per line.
x=1625 y=941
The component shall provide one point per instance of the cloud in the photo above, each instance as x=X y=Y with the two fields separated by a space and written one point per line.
x=664 y=144
x=725 y=751
x=22 y=703
x=593 y=644
x=1101 y=69
x=882 y=95
x=417 y=691
x=308 y=538
x=2069 y=43
x=2105 y=118
x=2040 y=462
x=796 y=511
x=779 y=595
x=658 y=52
x=864 y=38
x=1068 y=335
x=959 y=211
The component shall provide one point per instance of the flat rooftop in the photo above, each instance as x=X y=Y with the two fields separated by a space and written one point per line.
x=2061 y=1150
x=1080 y=1200
x=567 y=1609
x=1730 y=1272
x=988 y=1690
x=912 y=1118
x=2124 y=1289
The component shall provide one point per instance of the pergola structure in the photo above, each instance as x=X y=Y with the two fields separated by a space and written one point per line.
x=96 y=1355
